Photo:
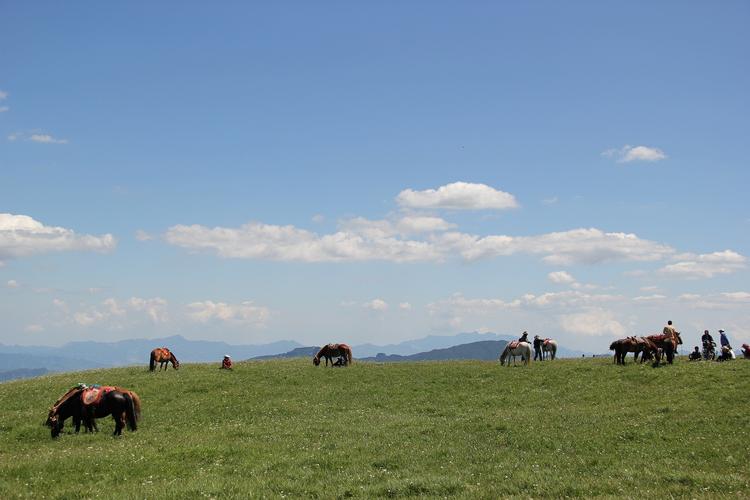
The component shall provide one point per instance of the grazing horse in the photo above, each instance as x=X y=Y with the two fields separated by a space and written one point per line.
x=549 y=346
x=631 y=344
x=163 y=356
x=122 y=404
x=514 y=349
x=331 y=351
x=666 y=343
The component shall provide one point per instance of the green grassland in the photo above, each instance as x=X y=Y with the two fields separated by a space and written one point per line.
x=467 y=429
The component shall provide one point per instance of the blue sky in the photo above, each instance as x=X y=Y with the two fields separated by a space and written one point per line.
x=373 y=172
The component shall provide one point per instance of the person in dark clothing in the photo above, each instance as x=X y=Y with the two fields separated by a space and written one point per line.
x=538 y=348
x=695 y=355
x=524 y=337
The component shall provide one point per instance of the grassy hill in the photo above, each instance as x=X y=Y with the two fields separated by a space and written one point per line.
x=473 y=429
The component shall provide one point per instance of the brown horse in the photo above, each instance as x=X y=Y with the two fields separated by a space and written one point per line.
x=163 y=356
x=124 y=406
x=631 y=344
x=331 y=351
x=666 y=343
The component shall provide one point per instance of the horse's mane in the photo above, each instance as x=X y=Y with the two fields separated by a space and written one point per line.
x=65 y=397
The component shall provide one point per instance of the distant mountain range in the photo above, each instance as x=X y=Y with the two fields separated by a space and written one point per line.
x=87 y=355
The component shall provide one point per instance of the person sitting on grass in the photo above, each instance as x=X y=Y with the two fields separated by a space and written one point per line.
x=695 y=355
x=341 y=361
x=226 y=363
x=727 y=354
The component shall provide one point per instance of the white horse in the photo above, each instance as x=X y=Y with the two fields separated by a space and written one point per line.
x=549 y=346
x=522 y=349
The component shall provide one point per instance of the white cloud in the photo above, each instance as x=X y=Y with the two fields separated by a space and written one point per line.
x=46 y=139
x=422 y=224
x=376 y=305
x=141 y=235
x=561 y=277
x=116 y=314
x=457 y=196
x=22 y=236
x=318 y=218
x=595 y=322
x=13 y=284
x=692 y=266
x=361 y=239
x=3 y=95
x=3 y=109
x=719 y=301
x=650 y=298
x=628 y=154
x=288 y=243
x=34 y=328
x=405 y=306
x=577 y=246
x=36 y=137
x=244 y=313
x=550 y=201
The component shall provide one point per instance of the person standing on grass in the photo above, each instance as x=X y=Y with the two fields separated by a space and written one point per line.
x=538 y=348
x=724 y=339
x=669 y=329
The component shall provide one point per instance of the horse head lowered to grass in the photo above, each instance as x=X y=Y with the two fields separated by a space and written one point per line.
x=88 y=403
x=331 y=351
x=514 y=349
x=163 y=356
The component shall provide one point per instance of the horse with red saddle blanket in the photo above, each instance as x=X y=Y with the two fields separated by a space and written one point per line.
x=88 y=403
x=666 y=343
x=163 y=356
x=331 y=351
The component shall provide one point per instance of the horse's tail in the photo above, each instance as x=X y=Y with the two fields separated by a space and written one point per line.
x=152 y=361
x=130 y=412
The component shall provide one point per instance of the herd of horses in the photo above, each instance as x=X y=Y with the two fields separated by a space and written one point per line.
x=650 y=347
x=85 y=404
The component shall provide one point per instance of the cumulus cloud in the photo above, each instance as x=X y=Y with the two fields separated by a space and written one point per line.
x=244 y=313
x=377 y=305
x=628 y=154
x=22 y=236
x=561 y=277
x=595 y=322
x=116 y=313
x=692 y=266
x=288 y=243
x=458 y=196
x=577 y=246
x=721 y=301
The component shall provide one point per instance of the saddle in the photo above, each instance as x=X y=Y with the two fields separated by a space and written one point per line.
x=514 y=344
x=93 y=395
x=547 y=341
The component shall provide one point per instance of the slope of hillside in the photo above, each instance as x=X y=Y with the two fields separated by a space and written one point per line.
x=485 y=350
x=467 y=428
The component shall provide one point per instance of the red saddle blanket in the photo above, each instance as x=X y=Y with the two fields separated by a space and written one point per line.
x=513 y=344
x=92 y=395
x=547 y=341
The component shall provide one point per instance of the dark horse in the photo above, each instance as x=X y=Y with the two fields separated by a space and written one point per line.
x=666 y=343
x=122 y=404
x=331 y=351
x=631 y=344
x=163 y=356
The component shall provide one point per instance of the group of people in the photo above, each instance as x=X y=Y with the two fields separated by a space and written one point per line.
x=709 y=348
x=538 y=345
